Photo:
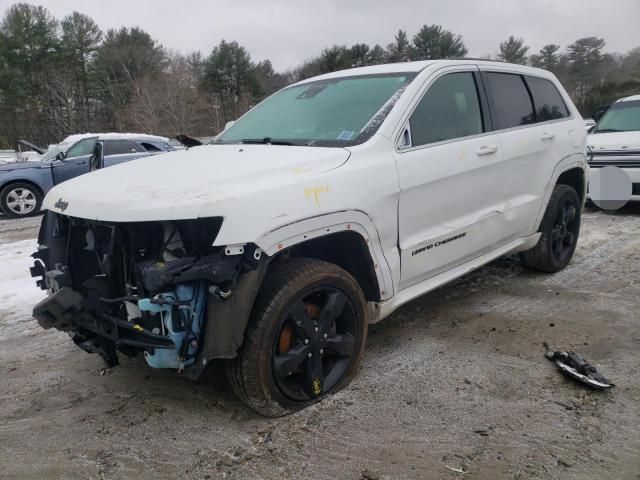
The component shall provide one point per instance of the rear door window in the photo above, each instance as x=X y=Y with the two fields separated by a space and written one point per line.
x=119 y=147
x=449 y=109
x=546 y=99
x=511 y=100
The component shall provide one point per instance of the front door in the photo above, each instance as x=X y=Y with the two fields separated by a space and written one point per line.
x=449 y=166
x=75 y=162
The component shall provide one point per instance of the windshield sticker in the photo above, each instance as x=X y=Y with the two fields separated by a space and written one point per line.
x=346 y=135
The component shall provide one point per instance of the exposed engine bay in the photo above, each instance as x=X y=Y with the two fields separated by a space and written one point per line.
x=159 y=289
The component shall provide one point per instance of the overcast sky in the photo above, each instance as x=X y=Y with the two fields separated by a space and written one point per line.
x=289 y=31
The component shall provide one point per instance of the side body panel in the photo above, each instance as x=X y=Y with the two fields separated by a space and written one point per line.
x=40 y=176
x=452 y=205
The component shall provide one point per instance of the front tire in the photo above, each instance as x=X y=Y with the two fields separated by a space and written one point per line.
x=305 y=339
x=559 y=230
x=19 y=200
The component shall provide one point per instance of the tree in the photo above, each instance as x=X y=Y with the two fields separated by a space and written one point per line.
x=30 y=49
x=170 y=102
x=398 y=51
x=548 y=58
x=125 y=57
x=230 y=78
x=585 y=66
x=359 y=54
x=376 y=55
x=269 y=81
x=513 y=50
x=586 y=51
x=80 y=39
x=432 y=42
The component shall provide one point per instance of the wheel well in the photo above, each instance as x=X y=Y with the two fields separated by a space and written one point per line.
x=575 y=179
x=28 y=182
x=346 y=249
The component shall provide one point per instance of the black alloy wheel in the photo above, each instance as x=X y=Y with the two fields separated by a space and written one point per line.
x=315 y=344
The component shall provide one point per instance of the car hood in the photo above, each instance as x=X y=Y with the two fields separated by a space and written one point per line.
x=7 y=167
x=189 y=183
x=614 y=142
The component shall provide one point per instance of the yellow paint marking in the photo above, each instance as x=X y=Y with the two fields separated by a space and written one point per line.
x=314 y=193
x=299 y=170
x=317 y=387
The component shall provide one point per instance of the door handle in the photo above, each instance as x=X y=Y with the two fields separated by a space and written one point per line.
x=547 y=136
x=487 y=150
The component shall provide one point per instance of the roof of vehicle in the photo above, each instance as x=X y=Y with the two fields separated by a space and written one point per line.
x=116 y=136
x=402 y=67
x=629 y=99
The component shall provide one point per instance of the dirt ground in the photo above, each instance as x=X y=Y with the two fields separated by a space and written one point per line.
x=455 y=380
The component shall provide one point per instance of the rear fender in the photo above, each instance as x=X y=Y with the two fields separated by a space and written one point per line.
x=577 y=160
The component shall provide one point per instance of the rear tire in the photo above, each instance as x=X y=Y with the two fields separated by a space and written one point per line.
x=305 y=338
x=560 y=228
x=18 y=200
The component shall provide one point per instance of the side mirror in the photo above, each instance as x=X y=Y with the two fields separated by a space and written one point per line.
x=60 y=156
x=229 y=124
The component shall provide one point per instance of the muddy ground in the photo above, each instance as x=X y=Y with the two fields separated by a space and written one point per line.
x=455 y=380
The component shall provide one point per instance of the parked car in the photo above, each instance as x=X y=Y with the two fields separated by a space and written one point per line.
x=23 y=184
x=615 y=141
x=322 y=209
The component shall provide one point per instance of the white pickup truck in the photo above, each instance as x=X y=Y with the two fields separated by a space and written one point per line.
x=323 y=209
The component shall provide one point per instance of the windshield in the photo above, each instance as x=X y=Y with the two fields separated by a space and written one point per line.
x=335 y=112
x=621 y=117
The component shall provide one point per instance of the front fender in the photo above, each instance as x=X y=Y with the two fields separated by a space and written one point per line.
x=40 y=177
x=349 y=220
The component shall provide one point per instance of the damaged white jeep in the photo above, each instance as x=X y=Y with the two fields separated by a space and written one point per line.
x=323 y=209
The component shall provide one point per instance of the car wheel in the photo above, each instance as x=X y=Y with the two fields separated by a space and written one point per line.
x=20 y=200
x=560 y=228
x=305 y=338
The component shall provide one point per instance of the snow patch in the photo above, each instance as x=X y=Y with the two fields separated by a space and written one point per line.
x=19 y=292
x=115 y=136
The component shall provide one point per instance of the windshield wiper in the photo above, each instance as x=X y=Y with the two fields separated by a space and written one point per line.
x=266 y=141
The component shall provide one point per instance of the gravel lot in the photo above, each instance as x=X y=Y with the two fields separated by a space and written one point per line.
x=455 y=380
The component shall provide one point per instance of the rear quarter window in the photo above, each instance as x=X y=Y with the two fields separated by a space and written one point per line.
x=511 y=100
x=546 y=99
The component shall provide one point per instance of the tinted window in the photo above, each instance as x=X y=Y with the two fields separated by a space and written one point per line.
x=449 y=109
x=83 y=147
x=511 y=100
x=547 y=100
x=117 y=147
x=150 y=147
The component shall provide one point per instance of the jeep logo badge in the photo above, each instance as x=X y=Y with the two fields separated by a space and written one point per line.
x=62 y=205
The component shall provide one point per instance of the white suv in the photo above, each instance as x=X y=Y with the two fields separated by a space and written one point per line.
x=323 y=209
x=615 y=141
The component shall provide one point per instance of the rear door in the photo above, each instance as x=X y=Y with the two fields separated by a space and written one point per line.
x=76 y=161
x=120 y=151
x=530 y=116
x=449 y=164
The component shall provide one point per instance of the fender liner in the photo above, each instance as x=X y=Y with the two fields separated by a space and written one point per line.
x=227 y=319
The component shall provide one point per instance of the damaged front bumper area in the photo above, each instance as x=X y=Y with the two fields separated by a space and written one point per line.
x=158 y=289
